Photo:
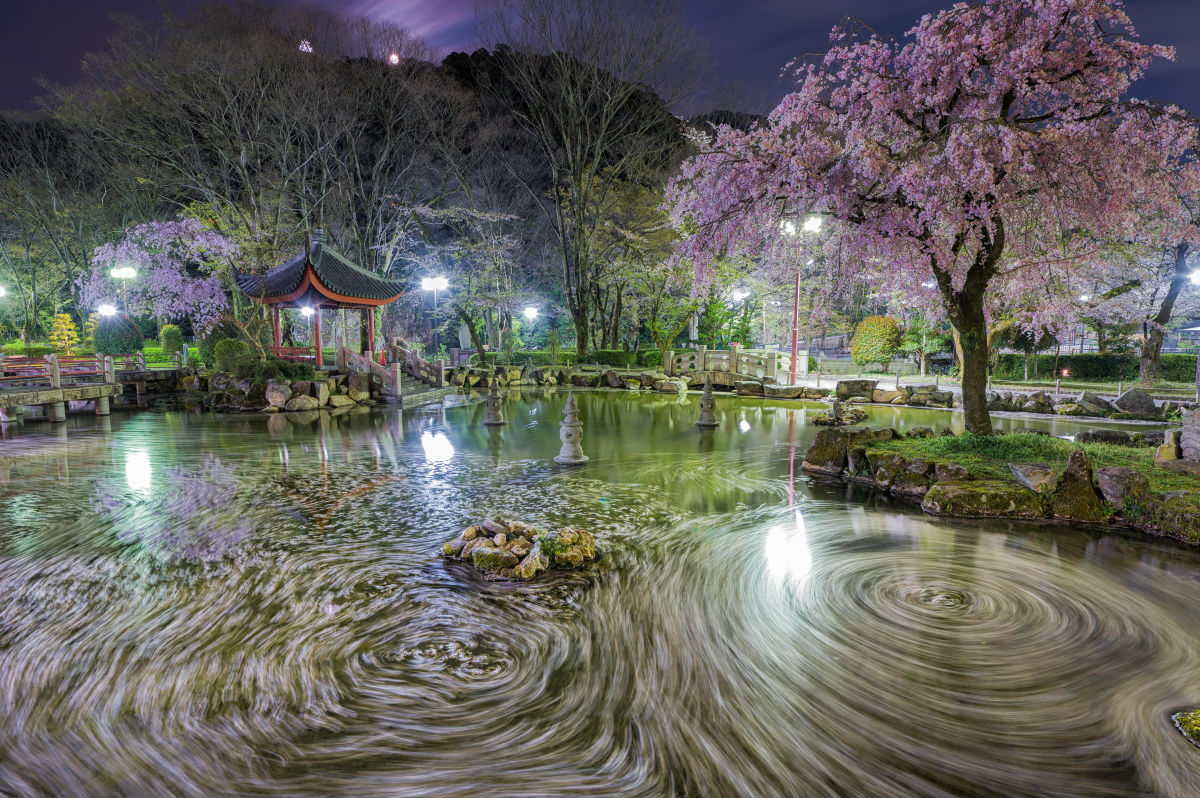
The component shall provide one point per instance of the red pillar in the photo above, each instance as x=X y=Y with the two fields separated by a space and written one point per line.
x=275 y=330
x=317 y=336
x=370 y=331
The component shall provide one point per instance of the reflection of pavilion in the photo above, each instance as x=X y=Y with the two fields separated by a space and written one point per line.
x=319 y=277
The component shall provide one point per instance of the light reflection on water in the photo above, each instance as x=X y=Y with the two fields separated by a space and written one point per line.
x=199 y=606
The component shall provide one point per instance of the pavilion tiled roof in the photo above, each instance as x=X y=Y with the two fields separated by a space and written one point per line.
x=334 y=271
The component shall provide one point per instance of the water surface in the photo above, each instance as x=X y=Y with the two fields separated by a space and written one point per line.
x=199 y=605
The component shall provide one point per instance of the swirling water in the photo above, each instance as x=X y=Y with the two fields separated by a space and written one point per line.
x=194 y=605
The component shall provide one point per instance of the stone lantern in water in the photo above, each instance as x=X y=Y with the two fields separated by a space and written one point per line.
x=570 y=432
x=708 y=418
x=495 y=414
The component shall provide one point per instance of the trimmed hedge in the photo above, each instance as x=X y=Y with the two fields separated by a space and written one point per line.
x=250 y=366
x=616 y=358
x=118 y=335
x=18 y=348
x=1175 y=367
x=207 y=346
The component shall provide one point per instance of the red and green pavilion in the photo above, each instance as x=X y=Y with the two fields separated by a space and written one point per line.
x=320 y=277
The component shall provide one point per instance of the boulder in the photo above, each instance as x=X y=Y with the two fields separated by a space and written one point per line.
x=1156 y=438
x=1136 y=402
x=910 y=484
x=982 y=498
x=1075 y=496
x=613 y=379
x=1113 y=437
x=816 y=393
x=301 y=403
x=1169 y=449
x=885 y=467
x=256 y=397
x=857 y=464
x=358 y=387
x=341 y=400
x=278 y=393
x=886 y=397
x=1038 y=477
x=919 y=432
x=1070 y=409
x=1118 y=483
x=1169 y=408
x=863 y=435
x=1093 y=403
x=827 y=452
x=949 y=472
x=748 y=388
x=847 y=388
x=1028 y=431
x=532 y=564
x=302 y=388
x=491 y=558
x=671 y=386
x=321 y=392
x=784 y=391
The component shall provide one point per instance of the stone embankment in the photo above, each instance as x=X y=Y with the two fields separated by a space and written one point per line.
x=220 y=391
x=517 y=551
x=1035 y=491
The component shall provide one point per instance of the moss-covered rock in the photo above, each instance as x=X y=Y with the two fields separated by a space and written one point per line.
x=983 y=498
x=827 y=452
x=491 y=558
x=1075 y=496
x=908 y=483
x=1188 y=724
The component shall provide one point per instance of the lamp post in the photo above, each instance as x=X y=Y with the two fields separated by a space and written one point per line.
x=435 y=284
x=811 y=225
x=106 y=310
x=124 y=274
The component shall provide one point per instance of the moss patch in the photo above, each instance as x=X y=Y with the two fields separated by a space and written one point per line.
x=1189 y=724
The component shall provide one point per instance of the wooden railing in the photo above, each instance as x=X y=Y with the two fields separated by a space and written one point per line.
x=295 y=352
x=430 y=372
x=757 y=363
x=134 y=362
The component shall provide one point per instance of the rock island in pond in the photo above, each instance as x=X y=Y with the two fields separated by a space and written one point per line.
x=515 y=550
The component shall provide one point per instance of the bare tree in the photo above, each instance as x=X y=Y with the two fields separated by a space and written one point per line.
x=580 y=77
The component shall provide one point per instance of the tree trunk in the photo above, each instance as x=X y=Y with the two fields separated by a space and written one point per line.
x=972 y=333
x=583 y=332
x=1150 y=363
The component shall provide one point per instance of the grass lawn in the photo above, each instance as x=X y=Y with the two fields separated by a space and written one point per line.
x=988 y=456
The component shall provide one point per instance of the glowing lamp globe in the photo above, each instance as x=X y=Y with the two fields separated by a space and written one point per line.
x=531 y=313
x=307 y=311
x=107 y=310
x=434 y=284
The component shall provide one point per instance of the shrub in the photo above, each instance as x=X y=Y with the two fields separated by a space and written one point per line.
x=171 y=339
x=65 y=335
x=248 y=365
x=650 y=358
x=876 y=340
x=206 y=347
x=20 y=350
x=118 y=335
x=228 y=353
x=617 y=358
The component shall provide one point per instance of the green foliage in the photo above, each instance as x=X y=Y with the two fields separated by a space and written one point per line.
x=171 y=339
x=552 y=345
x=1179 y=367
x=715 y=315
x=228 y=353
x=650 y=358
x=1080 y=367
x=18 y=348
x=507 y=346
x=118 y=335
x=617 y=358
x=876 y=340
x=922 y=339
x=207 y=346
x=248 y=365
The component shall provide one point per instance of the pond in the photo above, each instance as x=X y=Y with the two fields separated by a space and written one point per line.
x=200 y=605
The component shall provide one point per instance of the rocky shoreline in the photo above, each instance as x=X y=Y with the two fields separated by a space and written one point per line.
x=221 y=391
x=1035 y=490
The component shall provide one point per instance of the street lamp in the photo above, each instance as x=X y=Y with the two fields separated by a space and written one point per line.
x=531 y=313
x=106 y=310
x=435 y=284
x=394 y=59
x=124 y=273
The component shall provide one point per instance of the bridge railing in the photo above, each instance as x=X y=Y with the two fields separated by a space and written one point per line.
x=430 y=372
x=389 y=376
x=57 y=372
x=755 y=363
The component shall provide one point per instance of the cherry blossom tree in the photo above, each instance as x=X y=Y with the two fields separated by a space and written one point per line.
x=162 y=253
x=965 y=154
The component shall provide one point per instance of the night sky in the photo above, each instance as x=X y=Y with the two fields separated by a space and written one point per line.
x=749 y=41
